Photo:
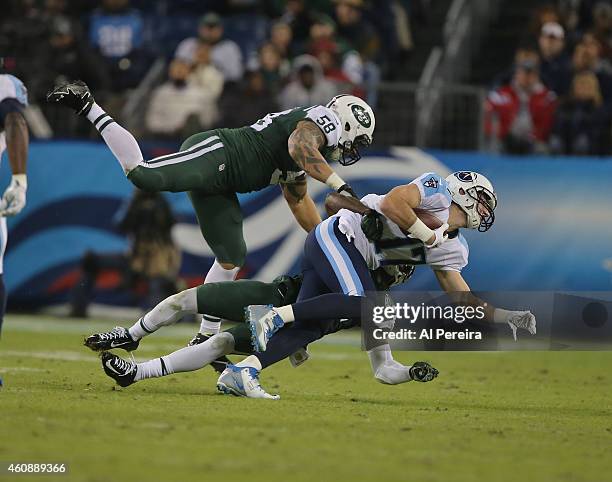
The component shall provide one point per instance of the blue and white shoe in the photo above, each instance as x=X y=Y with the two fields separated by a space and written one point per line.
x=242 y=382
x=263 y=322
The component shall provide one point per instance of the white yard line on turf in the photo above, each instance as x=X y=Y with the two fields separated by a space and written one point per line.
x=79 y=357
x=83 y=327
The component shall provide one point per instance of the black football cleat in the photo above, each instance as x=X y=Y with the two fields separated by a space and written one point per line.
x=120 y=370
x=423 y=372
x=75 y=95
x=118 y=337
x=220 y=363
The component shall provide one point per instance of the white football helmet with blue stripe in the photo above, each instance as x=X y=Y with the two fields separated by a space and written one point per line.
x=474 y=193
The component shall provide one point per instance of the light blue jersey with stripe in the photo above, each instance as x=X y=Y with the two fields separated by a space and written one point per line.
x=338 y=258
x=12 y=88
x=452 y=255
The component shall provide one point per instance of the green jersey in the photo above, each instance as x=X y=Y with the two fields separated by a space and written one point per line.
x=258 y=155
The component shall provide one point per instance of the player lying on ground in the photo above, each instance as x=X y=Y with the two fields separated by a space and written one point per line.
x=282 y=148
x=228 y=300
x=338 y=256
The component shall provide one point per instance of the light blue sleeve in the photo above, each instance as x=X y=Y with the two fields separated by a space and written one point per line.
x=21 y=93
x=432 y=187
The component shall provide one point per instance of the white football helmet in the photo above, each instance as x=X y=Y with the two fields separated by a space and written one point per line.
x=357 y=122
x=474 y=193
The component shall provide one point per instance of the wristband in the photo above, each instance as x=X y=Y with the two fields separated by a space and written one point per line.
x=420 y=231
x=334 y=181
x=20 y=179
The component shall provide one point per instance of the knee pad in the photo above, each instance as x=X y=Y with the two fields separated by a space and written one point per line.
x=147 y=179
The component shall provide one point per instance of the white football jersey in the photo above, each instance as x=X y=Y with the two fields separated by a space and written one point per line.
x=11 y=88
x=397 y=248
x=324 y=117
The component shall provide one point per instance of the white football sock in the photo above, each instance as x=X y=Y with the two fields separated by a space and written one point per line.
x=187 y=359
x=250 y=361
x=150 y=369
x=216 y=274
x=286 y=313
x=119 y=141
x=167 y=312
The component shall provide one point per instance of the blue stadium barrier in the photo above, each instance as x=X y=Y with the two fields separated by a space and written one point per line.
x=552 y=231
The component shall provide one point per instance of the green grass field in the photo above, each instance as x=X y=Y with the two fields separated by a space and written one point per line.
x=519 y=416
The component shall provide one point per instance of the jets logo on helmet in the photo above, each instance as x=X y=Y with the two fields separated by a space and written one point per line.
x=474 y=193
x=361 y=115
x=357 y=122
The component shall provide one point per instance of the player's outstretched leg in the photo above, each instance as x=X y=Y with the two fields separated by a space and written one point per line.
x=77 y=96
x=167 y=312
x=187 y=359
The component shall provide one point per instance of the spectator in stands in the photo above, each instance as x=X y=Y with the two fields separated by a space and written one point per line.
x=300 y=18
x=555 y=67
x=582 y=124
x=308 y=87
x=69 y=58
x=281 y=36
x=323 y=32
x=226 y=54
x=360 y=34
x=355 y=29
x=151 y=258
x=273 y=68
x=519 y=115
x=180 y=107
x=204 y=74
x=602 y=27
x=244 y=104
x=587 y=57
x=326 y=52
x=543 y=15
x=116 y=32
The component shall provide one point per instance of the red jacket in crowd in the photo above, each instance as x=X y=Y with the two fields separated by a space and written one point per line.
x=503 y=104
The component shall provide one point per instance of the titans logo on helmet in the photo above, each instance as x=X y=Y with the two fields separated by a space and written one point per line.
x=466 y=176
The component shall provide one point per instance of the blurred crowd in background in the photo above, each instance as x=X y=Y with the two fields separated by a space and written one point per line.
x=557 y=97
x=228 y=63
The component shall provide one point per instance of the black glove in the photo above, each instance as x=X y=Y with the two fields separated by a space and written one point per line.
x=372 y=225
x=423 y=372
x=347 y=190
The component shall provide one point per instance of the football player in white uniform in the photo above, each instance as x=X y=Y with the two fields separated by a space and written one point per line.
x=13 y=139
x=382 y=231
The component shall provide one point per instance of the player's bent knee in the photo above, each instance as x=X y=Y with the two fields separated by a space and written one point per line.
x=224 y=342
x=147 y=179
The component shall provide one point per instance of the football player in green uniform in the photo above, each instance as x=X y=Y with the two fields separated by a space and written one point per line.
x=282 y=148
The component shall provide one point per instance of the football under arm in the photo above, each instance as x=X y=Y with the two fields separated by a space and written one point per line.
x=385 y=369
x=301 y=204
x=304 y=144
x=398 y=206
